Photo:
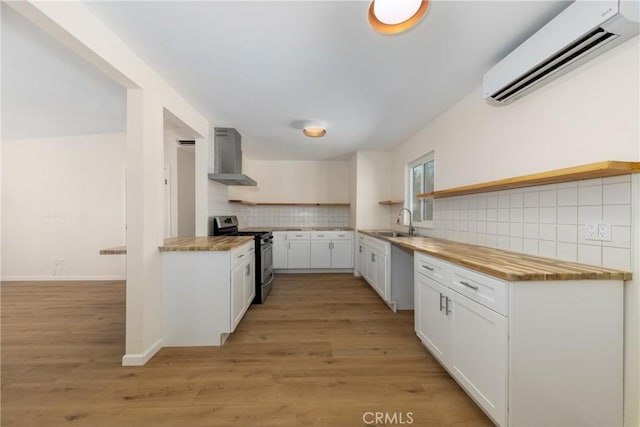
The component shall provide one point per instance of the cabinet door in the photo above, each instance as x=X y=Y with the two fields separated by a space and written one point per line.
x=370 y=267
x=237 y=293
x=249 y=283
x=479 y=352
x=279 y=249
x=431 y=322
x=342 y=254
x=382 y=276
x=298 y=254
x=361 y=259
x=320 y=254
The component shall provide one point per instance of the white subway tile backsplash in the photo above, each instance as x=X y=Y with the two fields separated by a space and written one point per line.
x=530 y=215
x=530 y=231
x=567 y=251
x=548 y=232
x=546 y=248
x=617 y=214
x=530 y=246
x=567 y=233
x=616 y=179
x=589 y=182
x=589 y=196
x=515 y=229
x=620 y=238
x=515 y=215
x=503 y=228
x=515 y=244
x=590 y=254
x=568 y=197
x=548 y=215
x=547 y=220
x=568 y=215
x=589 y=214
x=548 y=198
x=616 y=194
x=516 y=199
x=503 y=200
x=616 y=258
x=531 y=200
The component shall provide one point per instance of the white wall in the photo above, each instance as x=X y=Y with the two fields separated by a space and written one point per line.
x=63 y=201
x=588 y=115
x=373 y=181
x=286 y=181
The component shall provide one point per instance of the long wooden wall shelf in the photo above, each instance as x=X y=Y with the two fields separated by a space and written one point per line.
x=391 y=202
x=589 y=171
x=244 y=202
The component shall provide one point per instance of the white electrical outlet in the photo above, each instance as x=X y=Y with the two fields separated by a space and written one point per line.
x=598 y=231
x=591 y=231
x=604 y=231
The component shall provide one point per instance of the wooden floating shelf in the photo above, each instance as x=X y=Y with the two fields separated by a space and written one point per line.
x=244 y=202
x=589 y=171
x=391 y=202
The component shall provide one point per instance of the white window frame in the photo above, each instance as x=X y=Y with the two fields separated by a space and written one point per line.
x=418 y=222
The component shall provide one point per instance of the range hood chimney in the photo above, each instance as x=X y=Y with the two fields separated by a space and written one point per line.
x=227 y=168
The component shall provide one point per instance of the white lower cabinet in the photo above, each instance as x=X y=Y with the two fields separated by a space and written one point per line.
x=205 y=294
x=280 y=249
x=375 y=265
x=528 y=353
x=313 y=250
x=242 y=289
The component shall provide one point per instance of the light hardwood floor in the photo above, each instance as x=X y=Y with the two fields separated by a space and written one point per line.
x=324 y=350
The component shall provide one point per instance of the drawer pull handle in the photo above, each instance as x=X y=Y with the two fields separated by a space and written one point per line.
x=447 y=311
x=441 y=306
x=468 y=285
x=240 y=256
x=427 y=267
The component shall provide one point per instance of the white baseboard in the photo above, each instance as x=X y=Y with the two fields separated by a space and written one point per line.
x=61 y=278
x=140 y=359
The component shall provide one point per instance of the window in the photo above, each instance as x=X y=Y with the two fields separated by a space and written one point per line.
x=420 y=180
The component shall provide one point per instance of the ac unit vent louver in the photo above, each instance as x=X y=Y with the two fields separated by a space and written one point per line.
x=581 y=32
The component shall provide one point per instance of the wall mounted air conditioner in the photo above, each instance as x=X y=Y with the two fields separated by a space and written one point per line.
x=579 y=33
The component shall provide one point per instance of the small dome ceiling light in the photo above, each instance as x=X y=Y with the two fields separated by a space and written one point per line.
x=396 y=16
x=314 y=131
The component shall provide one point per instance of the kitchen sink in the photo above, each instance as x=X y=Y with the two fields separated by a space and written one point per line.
x=392 y=234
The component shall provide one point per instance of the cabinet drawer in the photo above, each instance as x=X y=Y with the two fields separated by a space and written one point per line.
x=321 y=235
x=298 y=235
x=487 y=291
x=431 y=267
x=241 y=253
x=341 y=235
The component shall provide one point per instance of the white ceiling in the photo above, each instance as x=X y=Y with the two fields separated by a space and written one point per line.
x=268 y=67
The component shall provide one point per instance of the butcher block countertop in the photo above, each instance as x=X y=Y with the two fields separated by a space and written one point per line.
x=293 y=228
x=204 y=243
x=511 y=266
x=191 y=244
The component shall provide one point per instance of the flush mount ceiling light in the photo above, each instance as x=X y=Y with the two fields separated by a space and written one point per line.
x=314 y=131
x=396 y=16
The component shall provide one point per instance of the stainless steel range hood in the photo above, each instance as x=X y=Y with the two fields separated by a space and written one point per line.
x=228 y=159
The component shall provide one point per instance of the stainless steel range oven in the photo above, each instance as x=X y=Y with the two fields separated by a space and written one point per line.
x=228 y=226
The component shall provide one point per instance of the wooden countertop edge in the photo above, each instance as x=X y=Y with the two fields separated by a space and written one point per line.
x=182 y=244
x=575 y=173
x=596 y=273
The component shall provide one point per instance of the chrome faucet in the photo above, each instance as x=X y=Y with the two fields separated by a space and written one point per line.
x=411 y=228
